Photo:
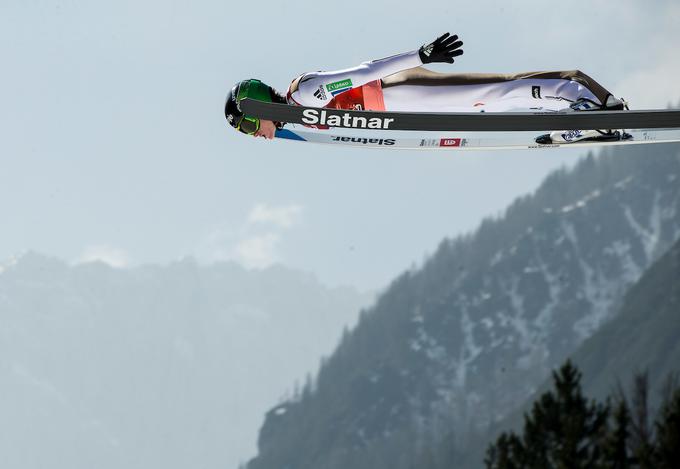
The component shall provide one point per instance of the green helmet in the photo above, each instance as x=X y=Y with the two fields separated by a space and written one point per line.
x=253 y=89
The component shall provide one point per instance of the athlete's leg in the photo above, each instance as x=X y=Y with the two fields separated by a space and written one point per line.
x=419 y=89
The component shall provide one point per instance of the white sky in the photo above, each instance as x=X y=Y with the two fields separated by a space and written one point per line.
x=113 y=143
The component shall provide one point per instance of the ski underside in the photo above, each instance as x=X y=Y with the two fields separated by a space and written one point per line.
x=462 y=131
x=409 y=140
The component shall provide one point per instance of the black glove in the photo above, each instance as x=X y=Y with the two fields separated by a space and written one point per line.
x=443 y=49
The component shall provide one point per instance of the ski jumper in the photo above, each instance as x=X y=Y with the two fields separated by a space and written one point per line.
x=399 y=83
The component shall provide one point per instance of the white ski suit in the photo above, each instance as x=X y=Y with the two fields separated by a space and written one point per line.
x=399 y=83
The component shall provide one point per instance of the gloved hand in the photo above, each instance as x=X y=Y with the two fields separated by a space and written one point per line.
x=443 y=49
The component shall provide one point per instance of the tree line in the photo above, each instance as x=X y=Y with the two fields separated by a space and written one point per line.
x=565 y=430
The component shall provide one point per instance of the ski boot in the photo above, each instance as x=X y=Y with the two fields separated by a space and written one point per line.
x=612 y=103
x=574 y=136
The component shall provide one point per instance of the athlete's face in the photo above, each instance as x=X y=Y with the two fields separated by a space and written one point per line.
x=267 y=129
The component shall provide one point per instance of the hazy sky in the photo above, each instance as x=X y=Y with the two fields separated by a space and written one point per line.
x=113 y=143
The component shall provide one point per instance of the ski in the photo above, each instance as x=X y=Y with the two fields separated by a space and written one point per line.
x=459 y=141
x=459 y=122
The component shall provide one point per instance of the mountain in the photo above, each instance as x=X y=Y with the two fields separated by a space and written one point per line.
x=643 y=337
x=451 y=348
x=157 y=366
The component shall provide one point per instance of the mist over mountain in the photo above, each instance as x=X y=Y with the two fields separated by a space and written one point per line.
x=157 y=366
x=452 y=348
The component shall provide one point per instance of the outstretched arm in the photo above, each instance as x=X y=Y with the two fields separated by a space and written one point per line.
x=319 y=88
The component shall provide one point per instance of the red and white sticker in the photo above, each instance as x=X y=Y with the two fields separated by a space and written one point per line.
x=450 y=142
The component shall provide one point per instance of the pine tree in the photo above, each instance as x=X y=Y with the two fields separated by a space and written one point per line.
x=505 y=454
x=668 y=434
x=642 y=442
x=616 y=452
x=563 y=430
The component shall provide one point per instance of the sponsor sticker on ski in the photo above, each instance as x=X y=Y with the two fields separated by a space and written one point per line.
x=450 y=142
x=331 y=118
x=365 y=141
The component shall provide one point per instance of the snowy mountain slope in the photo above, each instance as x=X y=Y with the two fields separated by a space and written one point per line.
x=643 y=336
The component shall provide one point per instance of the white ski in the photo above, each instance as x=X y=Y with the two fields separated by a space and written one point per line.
x=410 y=140
x=463 y=122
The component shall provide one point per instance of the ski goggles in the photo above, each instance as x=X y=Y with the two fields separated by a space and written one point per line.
x=248 y=125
